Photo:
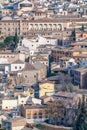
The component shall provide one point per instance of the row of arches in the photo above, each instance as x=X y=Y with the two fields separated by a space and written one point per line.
x=45 y=26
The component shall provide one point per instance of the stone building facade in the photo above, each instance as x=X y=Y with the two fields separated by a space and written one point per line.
x=45 y=25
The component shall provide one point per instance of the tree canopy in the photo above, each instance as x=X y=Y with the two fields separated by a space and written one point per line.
x=81 y=121
x=10 y=42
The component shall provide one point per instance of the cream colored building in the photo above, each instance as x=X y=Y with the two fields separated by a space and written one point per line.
x=11 y=57
x=46 y=88
x=45 y=25
x=42 y=58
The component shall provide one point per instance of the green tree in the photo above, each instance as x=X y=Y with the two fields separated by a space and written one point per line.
x=8 y=40
x=16 y=39
x=55 y=110
x=2 y=46
x=73 y=35
x=82 y=28
x=81 y=121
x=79 y=104
x=11 y=42
x=40 y=127
x=0 y=33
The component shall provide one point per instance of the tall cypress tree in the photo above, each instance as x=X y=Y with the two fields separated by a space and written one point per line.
x=73 y=35
x=82 y=28
x=16 y=39
x=81 y=121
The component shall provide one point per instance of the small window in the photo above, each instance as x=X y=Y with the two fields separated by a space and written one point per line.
x=20 y=67
x=15 y=67
x=8 y=29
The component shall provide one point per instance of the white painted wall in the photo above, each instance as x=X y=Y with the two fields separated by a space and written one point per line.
x=3 y=61
x=7 y=69
x=36 y=101
x=17 y=67
x=13 y=103
x=9 y=104
x=23 y=100
x=32 y=44
x=27 y=43
x=70 y=63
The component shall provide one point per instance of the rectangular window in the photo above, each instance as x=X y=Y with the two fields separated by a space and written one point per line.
x=15 y=67
x=20 y=67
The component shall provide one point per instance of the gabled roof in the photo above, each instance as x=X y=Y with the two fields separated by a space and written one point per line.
x=29 y=66
x=18 y=62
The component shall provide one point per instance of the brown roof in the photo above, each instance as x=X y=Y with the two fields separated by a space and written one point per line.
x=63 y=20
x=29 y=66
x=18 y=62
x=43 y=97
